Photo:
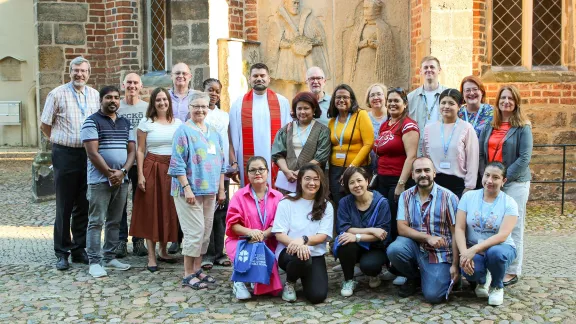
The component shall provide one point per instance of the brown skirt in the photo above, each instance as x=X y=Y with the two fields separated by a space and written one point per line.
x=154 y=214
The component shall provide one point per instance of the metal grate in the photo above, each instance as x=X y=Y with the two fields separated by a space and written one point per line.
x=547 y=33
x=158 y=34
x=507 y=33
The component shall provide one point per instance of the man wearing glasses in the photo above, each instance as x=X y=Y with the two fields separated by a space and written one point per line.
x=66 y=108
x=180 y=92
x=316 y=81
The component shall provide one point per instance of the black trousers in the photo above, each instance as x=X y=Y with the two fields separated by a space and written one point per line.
x=216 y=246
x=133 y=177
x=451 y=182
x=70 y=184
x=312 y=273
x=386 y=187
x=371 y=261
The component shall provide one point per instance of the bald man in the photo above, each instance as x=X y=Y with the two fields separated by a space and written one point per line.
x=316 y=80
x=134 y=109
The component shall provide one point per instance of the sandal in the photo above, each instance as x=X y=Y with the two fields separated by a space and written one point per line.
x=206 y=265
x=198 y=285
x=223 y=261
x=511 y=281
x=207 y=278
x=167 y=260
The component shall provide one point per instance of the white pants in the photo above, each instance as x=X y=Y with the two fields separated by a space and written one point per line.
x=519 y=191
x=196 y=222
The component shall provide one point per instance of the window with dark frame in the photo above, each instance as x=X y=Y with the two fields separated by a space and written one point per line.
x=159 y=35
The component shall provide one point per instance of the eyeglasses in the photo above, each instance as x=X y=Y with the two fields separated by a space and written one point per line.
x=315 y=79
x=345 y=98
x=199 y=107
x=376 y=94
x=471 y=90
x=180 y=73
x=76 y=71
x=257 y=171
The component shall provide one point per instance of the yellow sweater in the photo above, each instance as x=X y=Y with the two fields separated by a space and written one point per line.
x=361 y=144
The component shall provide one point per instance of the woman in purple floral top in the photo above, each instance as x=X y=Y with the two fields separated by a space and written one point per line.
x=197 y=170
x=475 y=110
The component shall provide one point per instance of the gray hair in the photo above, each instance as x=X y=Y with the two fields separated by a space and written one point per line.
x=79 y=60
x=195 y=95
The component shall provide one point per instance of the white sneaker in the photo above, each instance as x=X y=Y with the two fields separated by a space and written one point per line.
x=374 y=282
x=399 y=281
x=288 y=293
x=116 y=265
x=348 y=288
x=388 y=276
x=496 y=297
x=97 y=271
x=337 y=268
x=240 y=290
x=482 y=290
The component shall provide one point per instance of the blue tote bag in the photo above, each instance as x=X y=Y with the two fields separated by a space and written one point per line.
x=253 y=263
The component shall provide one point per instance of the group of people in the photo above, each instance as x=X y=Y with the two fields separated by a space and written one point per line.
x=427 y=185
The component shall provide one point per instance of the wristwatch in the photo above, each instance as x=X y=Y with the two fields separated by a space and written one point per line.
x=358 y=237
x=402 y=182
x=305 y=238
x=124 y=171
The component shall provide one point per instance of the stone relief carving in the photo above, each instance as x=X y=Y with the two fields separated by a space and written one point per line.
x=370 y=55
x=297 y=42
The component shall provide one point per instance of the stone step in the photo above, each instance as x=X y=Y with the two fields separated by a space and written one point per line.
x=17 y=156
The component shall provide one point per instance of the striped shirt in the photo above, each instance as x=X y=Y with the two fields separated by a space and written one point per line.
x=113 y=137
x=63 y=111
x=433 y=217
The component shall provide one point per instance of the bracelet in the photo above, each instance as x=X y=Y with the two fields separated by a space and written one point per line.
x=186 y=185
x=233 y=163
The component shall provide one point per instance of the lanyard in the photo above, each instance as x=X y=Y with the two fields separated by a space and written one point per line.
x=82 y=107
x=341 y=140
x=446 y=145
x=477 y=115
x=426 y=211
x=262 y=217
x=307 y=131
x=482 y=220
x=429 y=112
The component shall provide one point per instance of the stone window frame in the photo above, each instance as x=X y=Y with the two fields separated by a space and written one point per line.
x=147 y=37
x=566 y=72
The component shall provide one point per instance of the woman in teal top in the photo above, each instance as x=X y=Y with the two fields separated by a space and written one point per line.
x=475 y=110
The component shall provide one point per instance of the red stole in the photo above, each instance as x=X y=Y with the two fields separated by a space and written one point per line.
x=248 y=140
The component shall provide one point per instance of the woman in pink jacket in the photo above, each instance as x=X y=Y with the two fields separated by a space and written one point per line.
x=251 y=213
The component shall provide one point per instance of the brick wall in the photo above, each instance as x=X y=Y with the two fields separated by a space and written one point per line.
x=236 y=18
x=416 y=41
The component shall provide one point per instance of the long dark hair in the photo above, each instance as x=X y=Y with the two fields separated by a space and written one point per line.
x=320 y=200
x=151 y=112
x=333 y=111
x=404 y=98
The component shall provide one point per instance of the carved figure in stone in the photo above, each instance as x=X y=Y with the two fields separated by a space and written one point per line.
x=370 y=54
x=297 y=42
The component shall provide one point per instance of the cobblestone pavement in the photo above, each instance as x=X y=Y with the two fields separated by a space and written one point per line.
x=32 y=291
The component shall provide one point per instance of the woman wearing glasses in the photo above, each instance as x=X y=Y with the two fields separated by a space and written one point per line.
x=303 y=225
x=396 y=148
x=251 y=212
x=197 y=170
x=475 y=110
x=351 y=134
x=376 y=101
x=305 y=141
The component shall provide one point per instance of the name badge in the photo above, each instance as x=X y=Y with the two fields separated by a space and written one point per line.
x=444 y=165
x=211 y=149
x=340 y=155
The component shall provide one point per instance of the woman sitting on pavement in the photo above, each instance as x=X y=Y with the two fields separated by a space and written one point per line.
x=251 y=212
x=363 y=222
x=484 y=224
x=303 y=141
x=303 y=225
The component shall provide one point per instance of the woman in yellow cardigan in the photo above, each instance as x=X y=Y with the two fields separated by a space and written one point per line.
x=352 y=136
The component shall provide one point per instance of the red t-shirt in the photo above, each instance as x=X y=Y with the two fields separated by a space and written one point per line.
x=496 y=141
x=390 y=148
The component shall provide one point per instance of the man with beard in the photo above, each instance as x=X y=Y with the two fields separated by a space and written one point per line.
x=425 y=251
x=316 y=81
x=255 y=118
x=109 y=142
x=66 y=108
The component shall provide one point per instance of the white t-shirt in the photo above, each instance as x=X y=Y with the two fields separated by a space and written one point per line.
x=483 y=219
x=219 y=119
x=159 y=137
x=293 y=219
x=432 y=107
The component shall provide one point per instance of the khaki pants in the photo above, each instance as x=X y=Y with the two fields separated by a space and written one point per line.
x=196 y=223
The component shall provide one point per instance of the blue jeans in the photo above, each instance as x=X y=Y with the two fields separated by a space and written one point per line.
x=105 y=207
x=496 y=260
x=406 y=258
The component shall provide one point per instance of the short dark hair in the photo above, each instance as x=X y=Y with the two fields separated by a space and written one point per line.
x=258 y=66
x=106 y=90
x=256 y=158
x=454 y=94
x=499 y=165
x=333 y=111
x=402 y=93
x=207 y=82
x=151 y=112
x=310 y=99
x=349 y=173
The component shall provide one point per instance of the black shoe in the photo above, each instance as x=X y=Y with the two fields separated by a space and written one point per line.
x=80 y=256
x=121 y=250
x=138 y=248
x=152 y=268
x=511 y=281
x=409 y=288
x=62 y=263
x=174 y=247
